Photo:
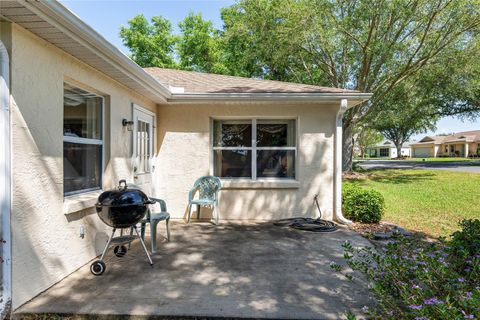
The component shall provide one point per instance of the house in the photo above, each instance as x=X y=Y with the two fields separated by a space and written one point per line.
x=77 y=115
x=387 y=149
x=462 y=144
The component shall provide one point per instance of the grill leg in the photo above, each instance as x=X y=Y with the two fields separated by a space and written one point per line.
x=143 y=245
x=107 y=245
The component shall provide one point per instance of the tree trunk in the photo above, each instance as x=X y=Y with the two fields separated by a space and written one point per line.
x=399 y=150
x=347 y=158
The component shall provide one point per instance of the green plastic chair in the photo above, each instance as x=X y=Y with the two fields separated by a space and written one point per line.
x=154 y=218
x=207 y=188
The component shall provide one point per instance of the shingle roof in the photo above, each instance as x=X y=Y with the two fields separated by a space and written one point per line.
x=197 y=82
x=465 y=136
x=469 y=136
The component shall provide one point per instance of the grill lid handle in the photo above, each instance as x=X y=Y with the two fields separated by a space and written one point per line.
x=150 y=201
x=124 y=182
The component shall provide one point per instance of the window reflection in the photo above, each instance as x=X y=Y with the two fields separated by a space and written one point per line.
x=232 y=134
x=233 y=163
x=276 y=163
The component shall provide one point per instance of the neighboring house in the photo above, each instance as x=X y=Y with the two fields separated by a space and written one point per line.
x=387 y=149
x=77 y=115
x=463 y=144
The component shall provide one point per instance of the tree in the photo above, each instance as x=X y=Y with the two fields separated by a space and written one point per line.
x=404 y=114
x=452 y=83
x=366 y=137
x=198 y=47
x=151 y=45
x=369 y=46
x=449 y=86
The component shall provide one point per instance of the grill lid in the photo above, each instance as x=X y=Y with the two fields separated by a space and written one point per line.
x=122 y=197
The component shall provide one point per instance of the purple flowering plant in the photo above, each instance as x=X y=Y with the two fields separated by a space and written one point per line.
x=449 y=290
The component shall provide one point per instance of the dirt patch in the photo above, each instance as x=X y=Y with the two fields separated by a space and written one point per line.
x=368 y=229
x=355 y=175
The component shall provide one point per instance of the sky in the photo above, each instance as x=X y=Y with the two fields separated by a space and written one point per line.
x=106 y=17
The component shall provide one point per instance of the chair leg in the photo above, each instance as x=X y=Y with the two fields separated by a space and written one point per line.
x=198 y=211
x=216 y=214
x=153 y=235
x=130 y=243
x=167 y=222
x=189 y=213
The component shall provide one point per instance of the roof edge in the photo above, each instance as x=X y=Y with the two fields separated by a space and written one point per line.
x=352 y=98
x=61 y=17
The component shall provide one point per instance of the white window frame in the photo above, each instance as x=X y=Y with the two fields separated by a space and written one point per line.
x=254 y=147
x=88 y=141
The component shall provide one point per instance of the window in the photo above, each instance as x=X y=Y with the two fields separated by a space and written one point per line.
x=384 y=152
x=82 y=140
x=254 y=149
x=143 y=146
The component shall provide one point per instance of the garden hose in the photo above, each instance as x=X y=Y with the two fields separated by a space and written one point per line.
x=308 y=224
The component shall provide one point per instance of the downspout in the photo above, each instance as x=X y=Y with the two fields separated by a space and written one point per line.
x=337 y=181
x=5 y=181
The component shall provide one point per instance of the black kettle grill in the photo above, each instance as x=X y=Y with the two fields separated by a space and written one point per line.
x=121 y=208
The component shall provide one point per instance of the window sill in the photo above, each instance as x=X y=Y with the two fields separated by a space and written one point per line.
x=259 y=184
x=81 y=201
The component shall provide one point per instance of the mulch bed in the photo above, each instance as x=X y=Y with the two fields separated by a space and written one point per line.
x=367 y=229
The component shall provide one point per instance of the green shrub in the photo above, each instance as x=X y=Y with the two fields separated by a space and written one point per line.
x=466 y=242
x=414 y=279
x=362 y=205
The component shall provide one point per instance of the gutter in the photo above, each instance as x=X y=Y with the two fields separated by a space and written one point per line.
x=353 y=98
x=337 y=175
x=66 y=21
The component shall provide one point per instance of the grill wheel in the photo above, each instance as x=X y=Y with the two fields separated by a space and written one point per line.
x=120 y=251
x=97 y=268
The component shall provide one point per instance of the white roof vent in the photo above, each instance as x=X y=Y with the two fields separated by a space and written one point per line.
x=176 y=89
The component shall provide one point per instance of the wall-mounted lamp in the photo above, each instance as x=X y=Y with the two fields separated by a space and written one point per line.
x=128 y=124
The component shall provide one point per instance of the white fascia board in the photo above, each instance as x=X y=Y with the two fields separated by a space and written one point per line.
x=66 y=21
x=352 y=98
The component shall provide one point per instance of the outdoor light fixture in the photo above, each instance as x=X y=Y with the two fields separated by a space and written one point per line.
x=128 y=124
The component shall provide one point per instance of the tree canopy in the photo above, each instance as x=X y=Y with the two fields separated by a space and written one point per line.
x=151 y=44
x=365 y=138
x=198 y=46
x=382 y=47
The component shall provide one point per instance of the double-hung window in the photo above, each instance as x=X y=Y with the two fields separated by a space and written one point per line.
x=82 y=140
x=257 y=149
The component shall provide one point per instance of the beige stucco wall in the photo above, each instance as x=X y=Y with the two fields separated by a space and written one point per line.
x=472 y=148
x=184 y=154
x=46 y=245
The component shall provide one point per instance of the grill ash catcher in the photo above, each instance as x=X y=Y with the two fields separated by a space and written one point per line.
x=121 y=208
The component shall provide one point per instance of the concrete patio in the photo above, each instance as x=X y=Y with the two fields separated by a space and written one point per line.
x=240 y=270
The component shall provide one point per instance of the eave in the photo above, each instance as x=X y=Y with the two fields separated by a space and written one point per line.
x=54 y=23
x=352 y=98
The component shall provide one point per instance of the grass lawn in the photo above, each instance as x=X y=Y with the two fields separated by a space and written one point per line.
x=425 y=200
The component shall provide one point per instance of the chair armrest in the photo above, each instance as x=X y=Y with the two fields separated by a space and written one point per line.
x=191 y=194
x=162 y=203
